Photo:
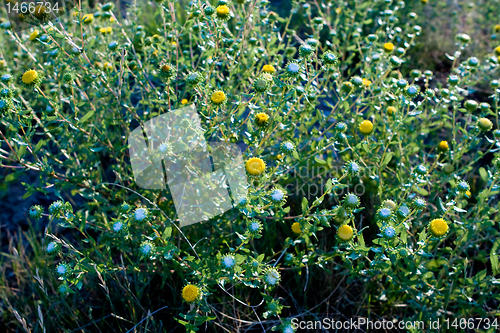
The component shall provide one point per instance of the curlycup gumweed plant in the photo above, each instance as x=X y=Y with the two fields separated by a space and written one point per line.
x=363 y=169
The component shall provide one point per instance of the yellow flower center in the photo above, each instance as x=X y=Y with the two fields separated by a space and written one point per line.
x=40 y=11
x=106 y=30
x=218 y=97
x=190 y=293
x=34 y=35
x=262 y=117
x=388 y=47
x=222 y=10
x=268 y=69
x=255 y=166
x=88 y=18
x=391 y=110
x=443 y=146
x=184 y=101
x=30 y=76
x=366 y=127
x=296 y=228
x=345 y=232
x=439 y=227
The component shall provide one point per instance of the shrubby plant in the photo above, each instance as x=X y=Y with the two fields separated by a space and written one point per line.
x=361 y=169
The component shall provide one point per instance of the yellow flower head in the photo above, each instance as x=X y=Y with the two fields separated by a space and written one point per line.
x=218 y=97
x=2 y=63
x=30 y=76
x=391 y=110
x=296 y=228
x=88 y=18
x=166 y=68
x=174 y=44
x=443 y=146
x=366 y=82
x=388 y=47
x=438 y=227
x=255 y=166
x=497 y=50
x=222 y=11
x=184 y=101
x=338 y=10
x=268 y=69
x=41 y=12
x=468 y=194
x=366 y=127
x=261 y=119
x=112 y=19
x=424 y=1
x=279 y=157
x=107 y=66
x=497 y=28
x=345 y=232
x=34 y=35
x=190 y=293
x=106 y=30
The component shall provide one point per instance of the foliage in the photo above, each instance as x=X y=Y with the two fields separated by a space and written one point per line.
x=390 y=178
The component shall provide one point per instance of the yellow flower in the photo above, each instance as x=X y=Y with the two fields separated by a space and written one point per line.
x=184 y=101
x=366 y=127
x=497 y=28
x=296 y=228
x=2 y=63
x=268 y=69
x=388 y=47
x=155 y=53
x=255 y=166
x=338 y=10
x=112 y=19
x=279 y=156
x=367 y=82
x=174 y=44
x=391 y=110
x=261 y=119
x=424 y=1
x=34 y=35
x=107 y=65
x=345 y=232
x=106 y=30
x=443 y=146
x=468 y=194
x=190 y=293
x=40 y=11
x=30 y=76
x=88 y=18
x=497 y=50
x=438 y=227
x=218 y=97
x=166 y=68
x=222 y=11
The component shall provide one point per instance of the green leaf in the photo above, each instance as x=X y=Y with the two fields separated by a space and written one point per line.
x=483 y=174
x=86 y=117
x=167 y=233
x=304 y=205
x=387 y=159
